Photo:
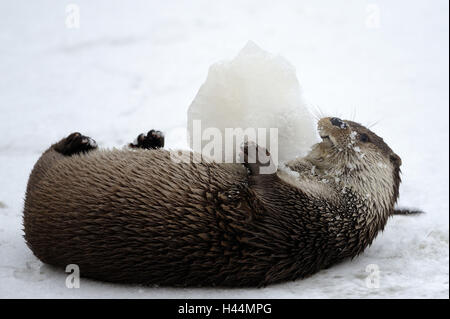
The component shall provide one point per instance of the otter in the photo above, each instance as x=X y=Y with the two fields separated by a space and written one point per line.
x=136 y=216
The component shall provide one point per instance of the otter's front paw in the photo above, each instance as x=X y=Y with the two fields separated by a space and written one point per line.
x=153 y=139
x=75 y=143
x=257 y=159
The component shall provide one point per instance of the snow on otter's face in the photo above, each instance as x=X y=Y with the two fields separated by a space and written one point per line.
x=354 y=139
x=254 y=90
x=365 y=161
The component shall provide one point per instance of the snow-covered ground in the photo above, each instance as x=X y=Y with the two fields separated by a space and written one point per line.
x=135 y=65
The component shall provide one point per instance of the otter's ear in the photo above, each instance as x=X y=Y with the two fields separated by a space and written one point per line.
x=395 y=159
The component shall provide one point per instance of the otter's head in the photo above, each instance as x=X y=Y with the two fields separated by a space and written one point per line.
x=362 y=158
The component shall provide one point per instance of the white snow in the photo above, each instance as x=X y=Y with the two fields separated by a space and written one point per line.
x=138 y=65
x=255 y=90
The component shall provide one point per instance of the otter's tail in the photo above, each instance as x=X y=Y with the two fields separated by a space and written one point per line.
x=407 y=211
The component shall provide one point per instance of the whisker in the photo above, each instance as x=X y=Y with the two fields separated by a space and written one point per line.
x=317 y=112
x=354 y=114
x=369 y=126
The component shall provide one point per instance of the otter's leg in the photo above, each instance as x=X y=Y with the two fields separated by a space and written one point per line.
x=262 y=177
x=73 y=144
x=153 y=140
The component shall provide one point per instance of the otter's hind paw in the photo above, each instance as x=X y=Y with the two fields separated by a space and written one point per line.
x=153 y=139
x=75 y=143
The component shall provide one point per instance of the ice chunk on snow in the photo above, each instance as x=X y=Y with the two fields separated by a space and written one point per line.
x=255 y=90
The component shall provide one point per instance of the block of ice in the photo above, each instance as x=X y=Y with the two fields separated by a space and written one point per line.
x=254 y=90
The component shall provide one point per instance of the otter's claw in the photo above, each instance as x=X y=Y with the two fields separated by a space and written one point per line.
x=153 y=139
x=75 y=143
x=255 y=157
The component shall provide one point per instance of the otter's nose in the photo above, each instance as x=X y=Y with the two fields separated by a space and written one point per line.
x=338 y=122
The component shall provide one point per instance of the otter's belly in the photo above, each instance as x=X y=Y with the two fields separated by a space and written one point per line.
x=132 y=216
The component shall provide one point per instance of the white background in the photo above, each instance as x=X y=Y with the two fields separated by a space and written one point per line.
x=136 y=65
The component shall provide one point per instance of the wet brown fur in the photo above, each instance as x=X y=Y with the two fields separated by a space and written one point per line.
x=136 y=216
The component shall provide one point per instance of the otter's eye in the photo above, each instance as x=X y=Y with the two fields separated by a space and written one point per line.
x=364 y=138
